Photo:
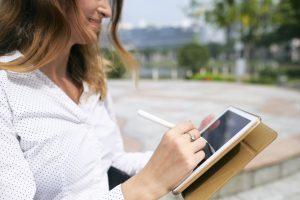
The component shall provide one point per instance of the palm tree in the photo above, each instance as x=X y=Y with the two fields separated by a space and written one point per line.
x=224 y=15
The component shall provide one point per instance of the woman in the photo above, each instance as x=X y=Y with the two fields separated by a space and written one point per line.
x=58 y=135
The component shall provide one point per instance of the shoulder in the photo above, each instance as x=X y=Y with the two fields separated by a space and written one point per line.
x=9 y=79
x=4 y=74
x=3 y=92
x=3 y=79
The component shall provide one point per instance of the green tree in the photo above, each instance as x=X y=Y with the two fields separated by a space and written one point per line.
x=249 y=20
x=195 y=11
x=286 y=18
x=285 y=23
x=255 y=19
x=215 y=49
x=192 y=56
x=224 y=15
x=117 y=68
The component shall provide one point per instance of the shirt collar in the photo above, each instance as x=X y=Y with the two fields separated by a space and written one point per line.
x=14 y=55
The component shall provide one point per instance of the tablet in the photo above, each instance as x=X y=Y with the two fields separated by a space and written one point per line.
x=228 y=129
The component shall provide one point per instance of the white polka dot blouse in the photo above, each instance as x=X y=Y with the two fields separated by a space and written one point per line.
x=53 y=148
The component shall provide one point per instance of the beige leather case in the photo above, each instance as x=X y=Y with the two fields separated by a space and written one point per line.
x=230 y=164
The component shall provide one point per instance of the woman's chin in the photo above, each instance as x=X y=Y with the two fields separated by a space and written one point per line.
x=92 y=39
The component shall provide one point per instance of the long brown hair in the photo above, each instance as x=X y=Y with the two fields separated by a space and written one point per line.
x=40 y=30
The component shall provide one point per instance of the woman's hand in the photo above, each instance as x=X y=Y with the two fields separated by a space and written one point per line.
x=175 y=157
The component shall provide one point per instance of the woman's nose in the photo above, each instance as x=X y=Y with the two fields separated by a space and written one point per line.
x=104 y=9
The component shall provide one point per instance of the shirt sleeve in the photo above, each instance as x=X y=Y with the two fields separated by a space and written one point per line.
x=16 y=180
x=114 y=194
x=132 y=162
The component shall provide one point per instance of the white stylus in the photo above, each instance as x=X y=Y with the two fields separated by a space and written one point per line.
x=153 y=118
x=164 y=123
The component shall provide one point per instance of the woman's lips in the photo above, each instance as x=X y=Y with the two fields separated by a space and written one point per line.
x=93 y=20
x=96 y=23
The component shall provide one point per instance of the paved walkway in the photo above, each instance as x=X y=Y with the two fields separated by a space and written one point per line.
x=178 y=101
x=286 y=188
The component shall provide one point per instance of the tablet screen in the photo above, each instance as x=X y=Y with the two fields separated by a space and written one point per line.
x=225 y=132
x=228 y=125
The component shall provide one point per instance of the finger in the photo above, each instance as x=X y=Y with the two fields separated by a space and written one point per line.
x=207 y=120
x=199 y=156
x=198 y=145
x=196 y=133
x=215 y=125
x=186 y=138
x=182 y=128
x=191 y=136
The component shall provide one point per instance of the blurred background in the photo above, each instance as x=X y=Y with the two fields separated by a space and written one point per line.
x=200 y=56
x=253 y=41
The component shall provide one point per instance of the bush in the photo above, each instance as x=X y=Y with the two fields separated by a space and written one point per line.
x=212 y=77
x=261 y=80
x=266 y=76
x=270 y=73
x=192 y=56
x=117 y=69
x=293 y=72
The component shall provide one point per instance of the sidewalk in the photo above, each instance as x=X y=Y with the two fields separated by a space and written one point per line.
x=286 y=188
x=178 y=101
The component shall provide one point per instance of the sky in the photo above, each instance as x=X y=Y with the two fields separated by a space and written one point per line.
x=157 y=12
x=140 y=13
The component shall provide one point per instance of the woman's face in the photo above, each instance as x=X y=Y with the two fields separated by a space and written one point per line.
x=93 y=12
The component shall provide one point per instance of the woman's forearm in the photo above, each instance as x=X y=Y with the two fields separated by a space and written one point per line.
x=142 y=186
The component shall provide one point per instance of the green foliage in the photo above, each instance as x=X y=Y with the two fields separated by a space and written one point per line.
x=271 y=76
x=287 y=18
x=117 y=69
x=224 y=13
x=267 y=75
x=192 y=56
x=258 y=21
x=292 y=72
x=260 y=80
x=250 y=18
x=215 y=49
x=193 y=11
x=212 y=77
x=148 y=52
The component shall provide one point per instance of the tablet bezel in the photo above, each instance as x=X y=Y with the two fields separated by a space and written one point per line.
x=254 y=121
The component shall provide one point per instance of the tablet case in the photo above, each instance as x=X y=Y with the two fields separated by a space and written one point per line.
x=230 y=164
